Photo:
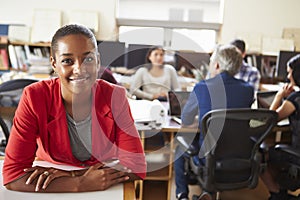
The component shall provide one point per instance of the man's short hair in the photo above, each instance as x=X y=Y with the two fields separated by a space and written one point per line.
x=240 y=44
x=228 y=57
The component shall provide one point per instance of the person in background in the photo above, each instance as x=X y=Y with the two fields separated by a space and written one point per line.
x=247 y=72
x=286 y=103
x=154 y=79
x=221 y=90
x=73 y=119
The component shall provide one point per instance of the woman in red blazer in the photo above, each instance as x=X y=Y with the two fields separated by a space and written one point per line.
x=74 y=119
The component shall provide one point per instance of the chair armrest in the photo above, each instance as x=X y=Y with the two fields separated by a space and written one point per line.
x=187 y=146
x=288 y=149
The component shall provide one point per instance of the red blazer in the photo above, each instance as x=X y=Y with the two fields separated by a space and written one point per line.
x=40 y=129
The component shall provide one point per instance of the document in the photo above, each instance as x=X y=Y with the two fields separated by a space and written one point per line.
x=115 y=192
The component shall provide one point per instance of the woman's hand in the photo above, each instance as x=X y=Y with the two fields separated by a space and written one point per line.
x=98 y=177
x=44 y=176
x=286 y=90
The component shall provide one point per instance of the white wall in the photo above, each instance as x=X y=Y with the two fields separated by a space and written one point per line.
x=16 y=11
x=266 y=17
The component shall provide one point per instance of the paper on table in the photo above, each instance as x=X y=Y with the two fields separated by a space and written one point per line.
x=115 y=192
x=57 y=166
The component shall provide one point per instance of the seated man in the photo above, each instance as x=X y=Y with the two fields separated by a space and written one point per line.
x=247 y=72
x=221 y=90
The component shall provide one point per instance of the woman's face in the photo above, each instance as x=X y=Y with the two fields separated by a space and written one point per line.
x=157 y=57
x=76 y=64
x=290 y=75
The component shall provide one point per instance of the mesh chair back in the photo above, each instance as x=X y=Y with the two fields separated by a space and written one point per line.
x=11 y=91
x=10 y=94
x=231 y=144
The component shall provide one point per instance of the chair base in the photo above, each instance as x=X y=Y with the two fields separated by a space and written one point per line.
x=207 y=196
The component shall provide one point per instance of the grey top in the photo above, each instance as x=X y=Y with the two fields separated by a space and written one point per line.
x=80 y=134
x=152 y=85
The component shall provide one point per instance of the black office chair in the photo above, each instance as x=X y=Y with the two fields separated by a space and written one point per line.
x=10 y=93
x=230 y=148
x=286 y=158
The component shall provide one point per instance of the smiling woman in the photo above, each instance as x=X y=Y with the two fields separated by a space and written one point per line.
x=73 y=119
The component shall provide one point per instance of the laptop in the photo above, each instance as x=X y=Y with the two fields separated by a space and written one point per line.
x=265 y=99
x=177 y=100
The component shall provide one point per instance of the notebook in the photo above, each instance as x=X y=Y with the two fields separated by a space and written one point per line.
x=177 y=100
x=265 y=99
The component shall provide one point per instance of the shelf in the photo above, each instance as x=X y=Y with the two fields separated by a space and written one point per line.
x=39 y=44
x=157 y=150
x=161 y=174
x=168 y=24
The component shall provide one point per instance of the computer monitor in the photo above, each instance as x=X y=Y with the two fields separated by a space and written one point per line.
x=136 y=55
x=112 y=53
x=177 y=100
x=192 y=60
x=281 y=62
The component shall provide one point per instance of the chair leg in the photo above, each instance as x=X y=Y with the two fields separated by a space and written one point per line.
x=218 y=196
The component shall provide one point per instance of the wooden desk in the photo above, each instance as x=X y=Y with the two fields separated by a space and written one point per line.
x=160 y=157
x=128 y=193
x=7 y=111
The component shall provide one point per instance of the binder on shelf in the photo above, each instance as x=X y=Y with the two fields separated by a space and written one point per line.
x=13 y=57
x=4 y=63
x=4 y=29
x=21 y=57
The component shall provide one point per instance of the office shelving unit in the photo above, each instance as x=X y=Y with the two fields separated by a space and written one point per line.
x=33 y=58
x=159 y=157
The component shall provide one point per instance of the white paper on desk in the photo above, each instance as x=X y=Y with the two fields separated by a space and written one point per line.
x=57 y=166
x=114 y=192
x=146 y=111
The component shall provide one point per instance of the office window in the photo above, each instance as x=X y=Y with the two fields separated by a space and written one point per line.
x=141 y=35
x=197 y=40
x=175 y=39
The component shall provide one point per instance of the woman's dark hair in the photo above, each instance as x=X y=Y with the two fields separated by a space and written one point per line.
x=71 y=29
x=294 y=64
x=150 y=51
x=148 y=64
